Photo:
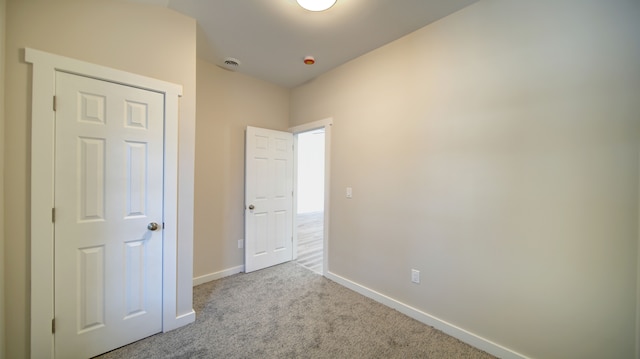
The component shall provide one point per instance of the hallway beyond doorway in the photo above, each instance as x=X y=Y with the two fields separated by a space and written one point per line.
x=310 y=238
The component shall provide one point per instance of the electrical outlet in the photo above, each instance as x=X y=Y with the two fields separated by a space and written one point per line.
x=415 y=276
x=240 y=243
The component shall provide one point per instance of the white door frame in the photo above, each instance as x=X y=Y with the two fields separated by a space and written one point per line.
x=326 y=124
x=45 y=66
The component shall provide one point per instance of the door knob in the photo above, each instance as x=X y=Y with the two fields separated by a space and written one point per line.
x=252 y=207
x=153 y=226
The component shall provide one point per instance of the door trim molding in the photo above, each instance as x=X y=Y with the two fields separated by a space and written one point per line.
x=326 y=123
x=44 y=67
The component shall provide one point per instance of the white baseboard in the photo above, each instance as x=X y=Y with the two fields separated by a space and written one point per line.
x=217 y=275
x=456 y=332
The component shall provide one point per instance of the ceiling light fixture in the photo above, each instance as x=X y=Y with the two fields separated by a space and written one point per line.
x=316 y=5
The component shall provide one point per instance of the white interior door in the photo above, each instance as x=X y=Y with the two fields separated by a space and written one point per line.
x=269 y=198
x=108 y=191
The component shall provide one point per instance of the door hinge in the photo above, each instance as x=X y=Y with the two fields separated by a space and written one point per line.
x=53 y=325
x=53 y=215
x=55 y=103
x=162 y=225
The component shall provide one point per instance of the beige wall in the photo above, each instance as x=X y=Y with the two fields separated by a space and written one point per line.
x=496 y=151
x=227 y=103
x=3 y=5
x=147 y=40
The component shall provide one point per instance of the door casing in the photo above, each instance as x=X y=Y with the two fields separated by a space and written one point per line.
x=42 y=190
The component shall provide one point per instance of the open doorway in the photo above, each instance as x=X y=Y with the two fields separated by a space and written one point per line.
x=310 y=201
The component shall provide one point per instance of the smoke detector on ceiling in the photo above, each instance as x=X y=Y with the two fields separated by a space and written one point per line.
x=231 y=63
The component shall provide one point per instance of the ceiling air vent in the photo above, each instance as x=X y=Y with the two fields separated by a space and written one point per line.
x=231 y=64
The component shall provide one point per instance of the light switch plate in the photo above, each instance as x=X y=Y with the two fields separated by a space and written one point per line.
x=349 y=192
x=415 y=276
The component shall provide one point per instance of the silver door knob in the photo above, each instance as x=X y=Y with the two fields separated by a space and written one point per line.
x=252 y=207
x=153 y=226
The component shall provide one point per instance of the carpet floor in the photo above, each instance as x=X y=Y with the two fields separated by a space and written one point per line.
x=288 y=311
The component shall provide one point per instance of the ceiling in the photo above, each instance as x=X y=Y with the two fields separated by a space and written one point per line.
x=270 y=38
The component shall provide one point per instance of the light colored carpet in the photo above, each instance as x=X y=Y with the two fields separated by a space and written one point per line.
x=287 y=311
